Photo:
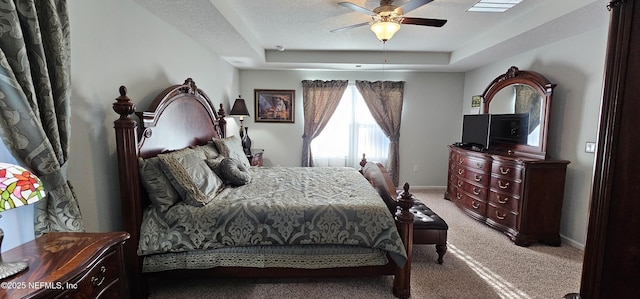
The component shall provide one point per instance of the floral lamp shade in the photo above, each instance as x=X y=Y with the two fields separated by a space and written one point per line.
x=18 y=187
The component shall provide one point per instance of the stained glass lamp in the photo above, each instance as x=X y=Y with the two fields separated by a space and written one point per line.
x=18 y=187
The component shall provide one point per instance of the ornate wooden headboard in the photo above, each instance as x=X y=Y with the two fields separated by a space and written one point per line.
x=164 y=127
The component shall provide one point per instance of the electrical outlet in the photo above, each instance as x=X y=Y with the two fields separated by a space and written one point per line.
x=590 y=147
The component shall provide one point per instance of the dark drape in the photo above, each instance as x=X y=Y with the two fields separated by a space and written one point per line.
x=384 y=99
x=320 y=99
x=35 y=94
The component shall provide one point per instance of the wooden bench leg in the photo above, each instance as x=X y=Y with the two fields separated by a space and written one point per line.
x=441 y=249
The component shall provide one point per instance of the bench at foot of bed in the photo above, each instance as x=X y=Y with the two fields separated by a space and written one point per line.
x=429 y=228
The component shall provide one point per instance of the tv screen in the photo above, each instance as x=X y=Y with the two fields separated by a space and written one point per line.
x=475 y=130
x=509 y=128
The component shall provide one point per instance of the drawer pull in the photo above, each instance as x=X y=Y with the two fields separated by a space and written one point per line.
x=458 y=196
x=504 y=170
x=500 y=217
x=503 y=186
x=460 y=171
x=477 y=178
x=476 y=191
x=502 y=200
x=475 y=205
x=95 y=281
x=479 y=165
x=459 y=183
x=461 y=161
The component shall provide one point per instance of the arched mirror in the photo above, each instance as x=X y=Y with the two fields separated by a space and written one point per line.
x=523 y=97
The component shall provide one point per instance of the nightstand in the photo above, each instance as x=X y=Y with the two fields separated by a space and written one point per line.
x=256 y=157
x=69 y=265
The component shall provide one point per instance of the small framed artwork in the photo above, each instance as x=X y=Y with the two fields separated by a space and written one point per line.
x=476 y=101
x=476 y=104
x=273 y=105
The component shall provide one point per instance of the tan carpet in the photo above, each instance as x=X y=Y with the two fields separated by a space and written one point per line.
x=480 y=263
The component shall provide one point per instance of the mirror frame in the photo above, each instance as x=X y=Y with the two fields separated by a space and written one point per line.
x=544 y=88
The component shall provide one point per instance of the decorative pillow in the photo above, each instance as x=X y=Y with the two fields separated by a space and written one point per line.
x=209 y=150
x=231 y=147
x=161 y=194
x=232 y=171
x=190 y=175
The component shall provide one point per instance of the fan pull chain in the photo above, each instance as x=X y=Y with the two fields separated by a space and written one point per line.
x=384 y=54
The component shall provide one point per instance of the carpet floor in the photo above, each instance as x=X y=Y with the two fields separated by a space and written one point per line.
x=480 y=263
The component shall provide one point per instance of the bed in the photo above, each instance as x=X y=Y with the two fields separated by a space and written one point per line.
x=194 y=207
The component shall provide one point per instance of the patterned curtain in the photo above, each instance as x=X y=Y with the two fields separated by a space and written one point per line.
x=35 y=93
x=320 y=99
x=384 y=99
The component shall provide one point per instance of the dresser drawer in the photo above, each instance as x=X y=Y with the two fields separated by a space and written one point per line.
x=482 y=165
x=474 y=190
x=503 y=217
x=475 y=176
x=507 y=202
x=510 y=170
x=505 y=186
x=100 y=281
x=469 y=203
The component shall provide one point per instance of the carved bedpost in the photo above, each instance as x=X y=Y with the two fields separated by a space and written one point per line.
x=127 y=154
x=363 y=162
x=222 y=123
x=402 y=282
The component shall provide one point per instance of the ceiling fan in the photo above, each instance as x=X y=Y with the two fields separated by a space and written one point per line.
x=386 y=18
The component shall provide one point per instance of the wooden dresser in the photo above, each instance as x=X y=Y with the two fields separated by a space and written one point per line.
x=69 y=265
x=520 y=196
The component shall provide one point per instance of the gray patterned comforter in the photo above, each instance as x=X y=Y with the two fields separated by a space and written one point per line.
x=281 y=206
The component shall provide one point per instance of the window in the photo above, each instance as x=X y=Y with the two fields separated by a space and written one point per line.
x=350 y=132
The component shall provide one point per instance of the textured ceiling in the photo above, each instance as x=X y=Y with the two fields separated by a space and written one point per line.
x=247 y=32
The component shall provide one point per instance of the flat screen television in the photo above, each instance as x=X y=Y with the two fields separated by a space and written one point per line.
x=509 y=128
x=475 y=131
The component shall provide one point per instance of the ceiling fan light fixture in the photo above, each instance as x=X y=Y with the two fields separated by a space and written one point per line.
x=384 y=30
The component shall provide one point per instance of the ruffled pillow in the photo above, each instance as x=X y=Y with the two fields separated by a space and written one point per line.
x=190 y=175
x=232 y=171
x=231 y=147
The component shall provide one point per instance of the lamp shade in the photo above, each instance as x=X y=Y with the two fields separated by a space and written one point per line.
x=239 y=108
x=384 y=30
x=18 y=187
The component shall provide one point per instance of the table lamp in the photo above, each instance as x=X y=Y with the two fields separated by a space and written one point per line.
x=18 y=187
x=240 y=110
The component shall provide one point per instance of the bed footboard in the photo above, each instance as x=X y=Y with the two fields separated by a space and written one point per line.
x=399 y=205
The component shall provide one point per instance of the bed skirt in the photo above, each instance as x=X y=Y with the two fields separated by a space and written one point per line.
x=300 y=257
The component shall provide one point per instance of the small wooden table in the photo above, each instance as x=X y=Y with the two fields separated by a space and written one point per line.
x=69 y=265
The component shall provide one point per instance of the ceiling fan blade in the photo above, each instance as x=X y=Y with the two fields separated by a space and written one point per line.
x=350 y=27
x=357 y=8
x=424 y=22
x=413 y=4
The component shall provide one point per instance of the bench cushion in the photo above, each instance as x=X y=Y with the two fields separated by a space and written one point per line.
x=425 y=218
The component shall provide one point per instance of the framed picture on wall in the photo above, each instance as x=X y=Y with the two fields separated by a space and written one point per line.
x=275 y=105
